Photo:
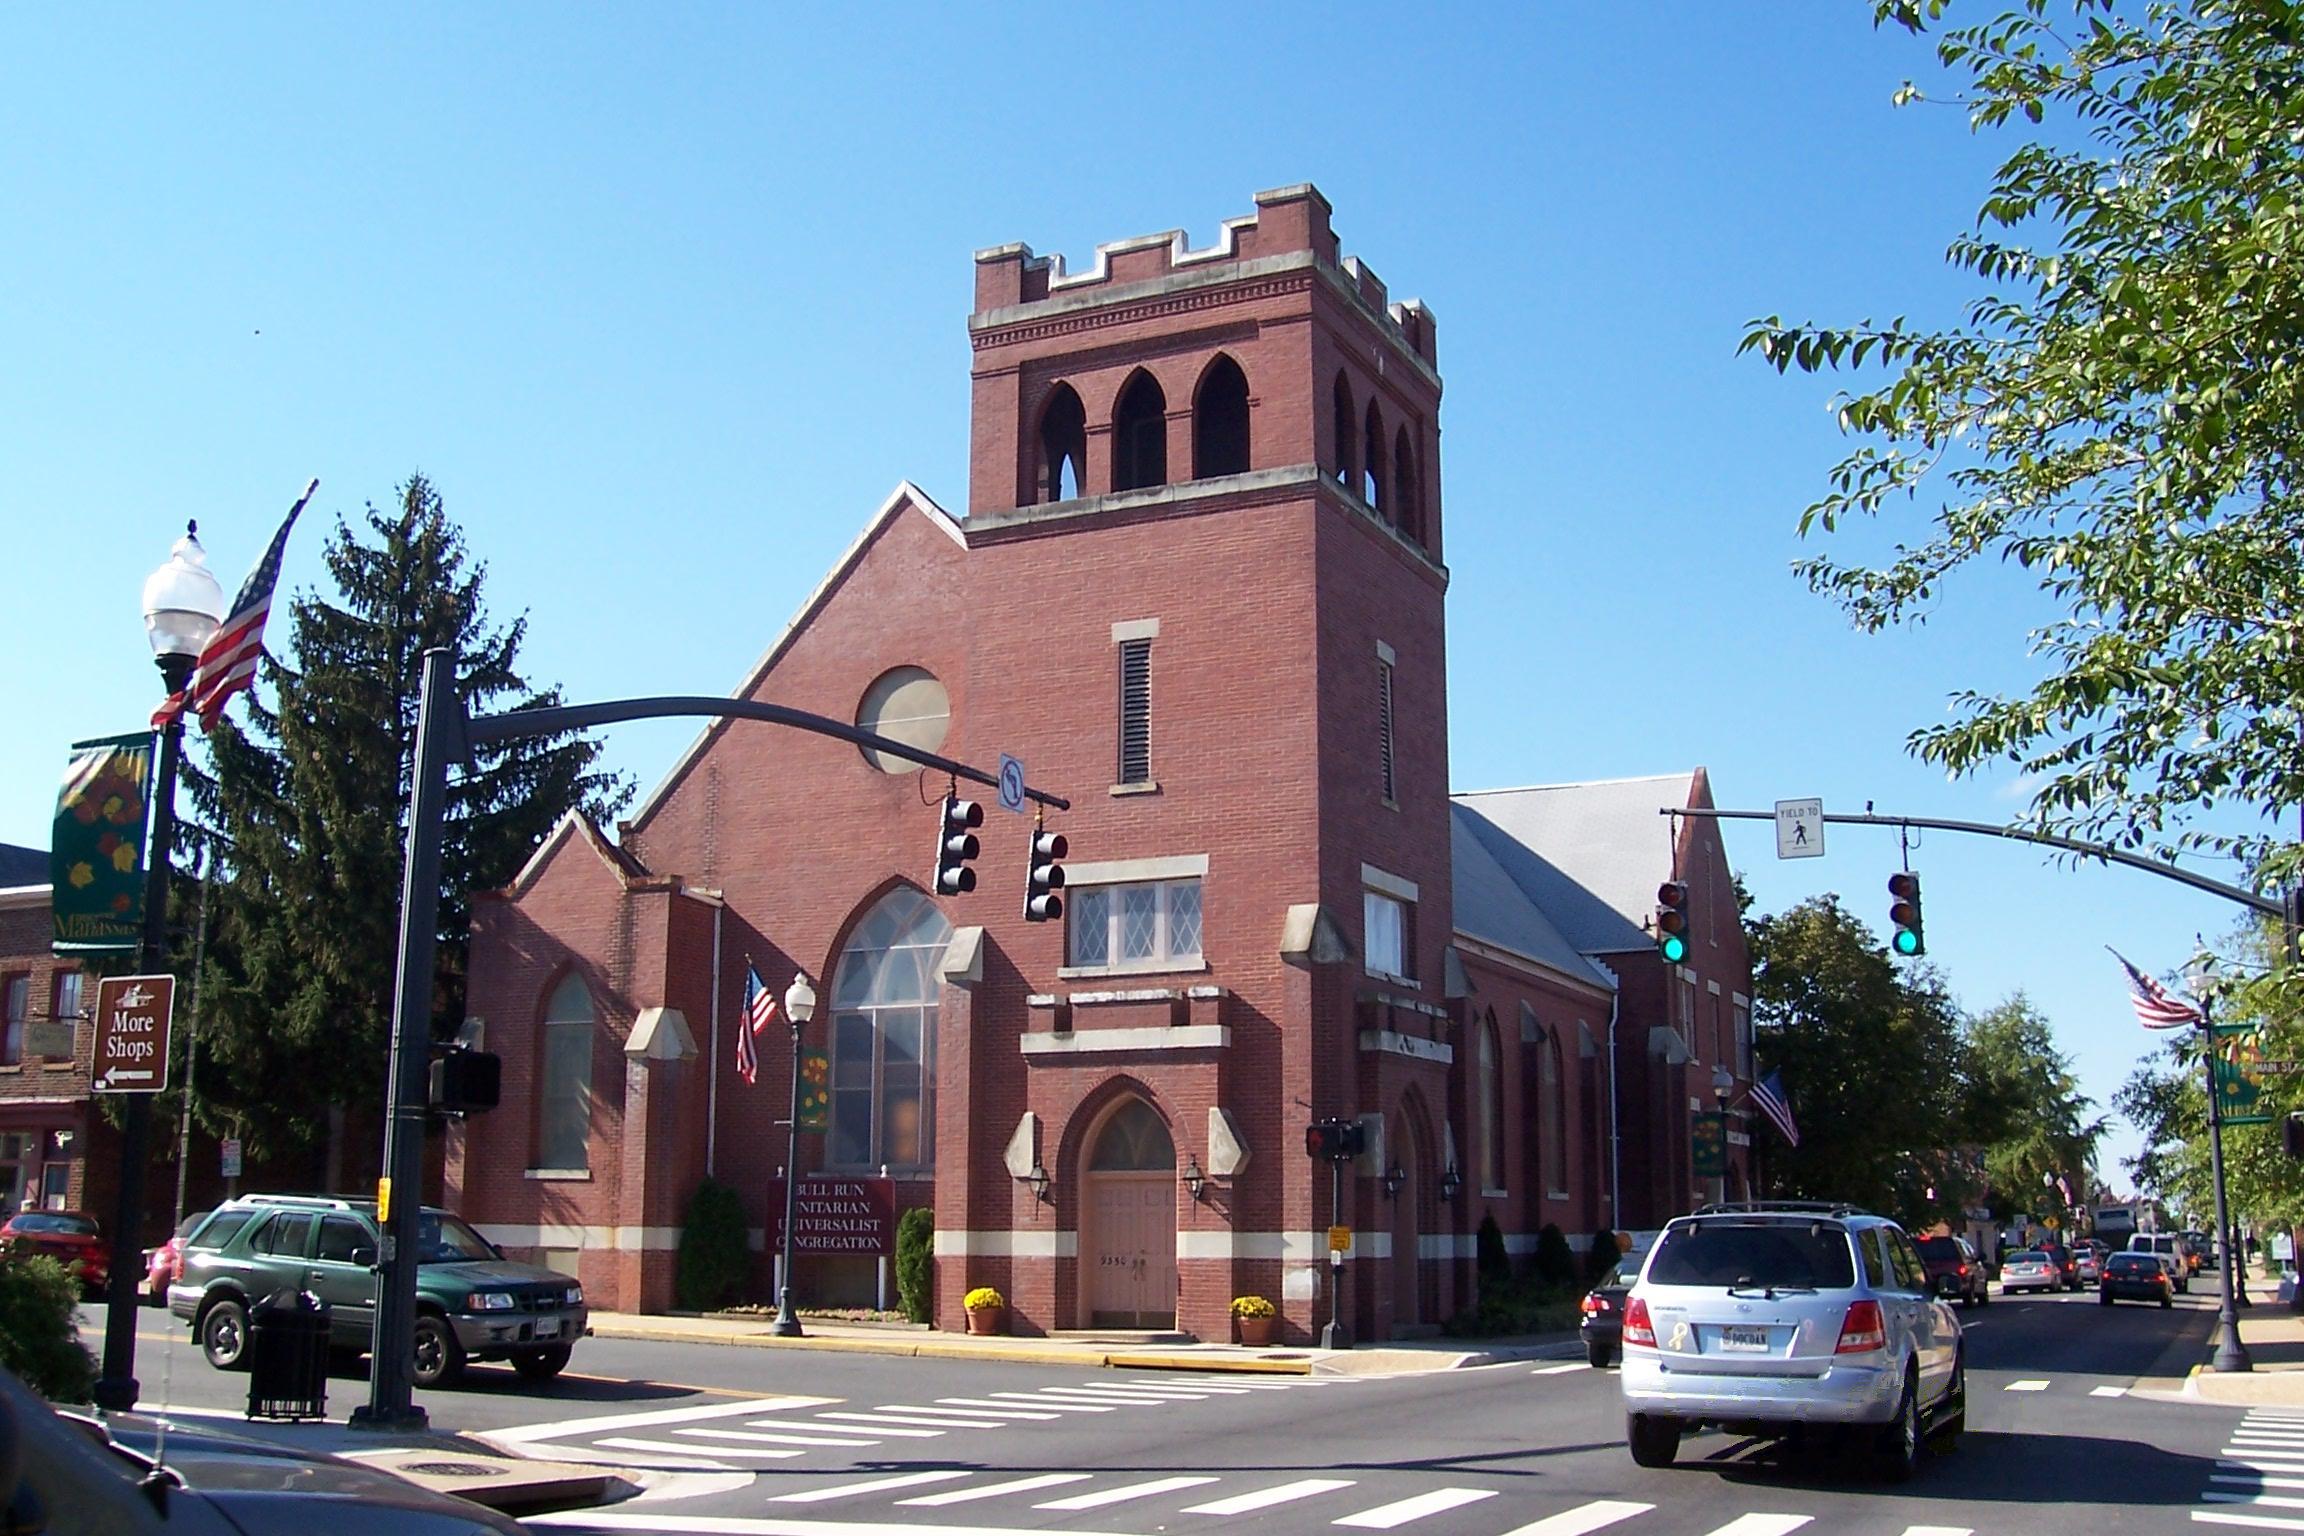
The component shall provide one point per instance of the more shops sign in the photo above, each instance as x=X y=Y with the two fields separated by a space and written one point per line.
x=854 y=1216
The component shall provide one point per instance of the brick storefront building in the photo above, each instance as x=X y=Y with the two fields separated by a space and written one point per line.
x=1199 y=589
x=46 y=1118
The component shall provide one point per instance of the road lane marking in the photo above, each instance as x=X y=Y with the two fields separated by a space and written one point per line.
x=1558 y=1370
x=1106 y=1496
x=753 y=1435
x=1763 y=1525
x=1265 y=1498
x=679 y=1448
x=1939 y=1530
x=654 y=1418
x=879 y=1426
x=2034 y=1385
x=1063 y=1396
x=1122 y=1386
x=2255 y=1463
x=993 y=1490
x=2268 y=1500
x=1197 y=1386
x=869 y=1485
x=2262 y=1522
x=986 y=1408
x=1583 y=1519
x=1385 y=1516
x=2108 y=1392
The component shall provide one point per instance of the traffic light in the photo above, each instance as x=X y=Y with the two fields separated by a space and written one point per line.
x=1904 y=913
x=463 y=1081
x=1045 y=876
x=956 y=845
x=1672 y=921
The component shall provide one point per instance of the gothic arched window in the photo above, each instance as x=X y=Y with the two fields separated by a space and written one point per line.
x=564 y=1106
x=1140 y=435
x=1063 y=447
x=1344 y=426
x=1220 y=421
x=884 y=1003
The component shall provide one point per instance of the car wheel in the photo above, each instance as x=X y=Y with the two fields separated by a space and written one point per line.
x=439 y=1358
x=224 y=1335
x=2167 y=1301
x=1599 y=1353
x=1653 y=1440
x=541 y=1364
x=1899 y=1444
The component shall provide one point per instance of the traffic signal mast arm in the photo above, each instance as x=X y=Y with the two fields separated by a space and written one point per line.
x=2270 y=906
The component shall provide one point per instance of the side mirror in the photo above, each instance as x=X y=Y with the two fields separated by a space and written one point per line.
x=364 y=1256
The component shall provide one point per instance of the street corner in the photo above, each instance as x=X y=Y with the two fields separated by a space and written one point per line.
x=511 y=1483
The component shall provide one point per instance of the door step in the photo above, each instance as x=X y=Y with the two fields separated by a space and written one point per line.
x=1120 y=1336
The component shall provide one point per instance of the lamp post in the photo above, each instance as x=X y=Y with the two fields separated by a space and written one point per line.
x=2231 y=1354
x=1723 y=1084
x=183 y=604
x=799 y=1007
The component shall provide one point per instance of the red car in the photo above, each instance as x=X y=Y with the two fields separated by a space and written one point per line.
x=164 y=1265
x=70 y=1236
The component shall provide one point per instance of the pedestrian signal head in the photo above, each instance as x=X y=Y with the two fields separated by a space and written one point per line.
x=1672 y=921
x=1908 y=939
x=956 y=845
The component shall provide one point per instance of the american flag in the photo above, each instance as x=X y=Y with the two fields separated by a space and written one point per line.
x=227 y=662
x=1768 y=1094
x=2156 y=1006
x=759 y=1008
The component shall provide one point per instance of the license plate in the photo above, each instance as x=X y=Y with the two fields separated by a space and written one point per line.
x=548 y=1328
x=1744 y=1340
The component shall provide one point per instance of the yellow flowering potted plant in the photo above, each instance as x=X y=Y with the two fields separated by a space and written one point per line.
x=1256 y=1319
x=987 y=1310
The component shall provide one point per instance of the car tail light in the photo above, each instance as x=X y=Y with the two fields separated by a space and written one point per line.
x=1863 y=1330
x=1637 y=1328
x=1595 y=1303
x=1963 y=1271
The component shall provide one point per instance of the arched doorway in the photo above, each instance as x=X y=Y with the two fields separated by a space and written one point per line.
x=1128 y=1251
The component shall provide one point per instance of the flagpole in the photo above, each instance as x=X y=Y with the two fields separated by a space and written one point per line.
x=2231 y=1354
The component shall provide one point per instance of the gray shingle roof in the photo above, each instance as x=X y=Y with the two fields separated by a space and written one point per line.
x=1588 y=855
x=23 y=866
x=1491 y=906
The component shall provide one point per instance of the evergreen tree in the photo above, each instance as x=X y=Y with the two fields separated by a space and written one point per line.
x=310 y=801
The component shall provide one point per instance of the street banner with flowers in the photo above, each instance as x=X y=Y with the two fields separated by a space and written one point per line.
x=814 y=1111
x=2240 y=1068
x=96 y=853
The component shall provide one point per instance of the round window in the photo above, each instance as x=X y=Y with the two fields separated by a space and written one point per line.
x=906 y=705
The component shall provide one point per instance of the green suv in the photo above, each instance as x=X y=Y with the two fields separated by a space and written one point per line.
x=472 y=1303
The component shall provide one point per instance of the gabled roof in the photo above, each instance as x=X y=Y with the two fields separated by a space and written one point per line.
x=1492 y=907
x=576 y=824
x=906 y=495
x=1590 y=856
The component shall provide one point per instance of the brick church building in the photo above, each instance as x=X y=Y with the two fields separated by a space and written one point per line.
x=1199 y=590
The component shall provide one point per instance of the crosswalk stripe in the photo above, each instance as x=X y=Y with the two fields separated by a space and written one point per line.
x=1265 y=1498
x=1045 y=1402
x=2268 y=1500
x=2258 y=1479
x=1385 y=1516
x=1063 y=1395
x=971 y=1408
x=2108 y=1392
x=2035 y=1385
x=2269 y=1432
x=883 y=1427
x=2258 y=1463
x=771 y=1438
x=1763 y=1525
x=1939 y=1530
x=2263 y=1522
x=2268 y=1445
x=1117 y=1387
x=939 y=1424
x=1558 y=1370
x=869 y=1485
x=1583 y=1519
x=1104 y=1496
x=655 y=1418
x=1198 y=1386
x=681 y=1448
x=994 y=1490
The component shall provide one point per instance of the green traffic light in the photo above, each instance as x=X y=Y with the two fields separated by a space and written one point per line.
x=1675 y=948
x=1907 y=942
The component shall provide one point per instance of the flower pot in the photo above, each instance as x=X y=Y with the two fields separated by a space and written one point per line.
x=987 y=1319
x=1257 y=1330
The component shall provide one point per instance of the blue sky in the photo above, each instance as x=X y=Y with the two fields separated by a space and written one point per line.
x=666 y=299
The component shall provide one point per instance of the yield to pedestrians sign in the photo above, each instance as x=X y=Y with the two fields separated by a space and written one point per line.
x=1800 y=829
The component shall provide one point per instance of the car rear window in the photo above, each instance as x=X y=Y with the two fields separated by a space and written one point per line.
x=55 y=1223
x=2132 y=1264
x=1938 y=1248
x=1755 y=1253
x=2029 y=1256
x=219 y=1229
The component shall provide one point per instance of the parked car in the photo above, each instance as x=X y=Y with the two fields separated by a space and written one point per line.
x=69 y=1236
x=1786 y=1318
x=2136 y=1277
x=471 y=1302
x=2029 y=1269
x=164 y=1265
x=1953 y=1261
x=2169 y=1246
x=1602 y=1324
x=2088 y=1254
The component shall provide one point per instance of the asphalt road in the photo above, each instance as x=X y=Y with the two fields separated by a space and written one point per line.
x=811 y=1443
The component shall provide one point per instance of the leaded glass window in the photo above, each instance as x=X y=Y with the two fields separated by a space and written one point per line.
x=884 y=1006
x=564 y=1117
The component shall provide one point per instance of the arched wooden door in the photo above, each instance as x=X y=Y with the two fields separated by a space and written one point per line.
x=1129 y=1252
x=1407 y=1231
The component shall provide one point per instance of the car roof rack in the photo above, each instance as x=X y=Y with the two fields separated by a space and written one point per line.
x=322 y=1202
x=1782 y=1208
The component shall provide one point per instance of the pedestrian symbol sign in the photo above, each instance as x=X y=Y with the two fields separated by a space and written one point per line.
x=1800 y=829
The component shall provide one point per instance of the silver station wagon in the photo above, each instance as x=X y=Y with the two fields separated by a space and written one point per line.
x=1785 y=1318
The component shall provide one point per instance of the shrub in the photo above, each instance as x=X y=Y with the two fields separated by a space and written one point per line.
x=916 y=1263
x=1493 y=1264
x=713 y=1254
x=39 y=1337
x=1517 y=1307
x=1253 y=1306
x=1555 y=1260
x=983 y=1299
x=1601 y=1257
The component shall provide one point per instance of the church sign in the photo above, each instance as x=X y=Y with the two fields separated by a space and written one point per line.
x=855 y=1216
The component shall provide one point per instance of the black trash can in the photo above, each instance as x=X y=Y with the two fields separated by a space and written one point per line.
x=288 y=1357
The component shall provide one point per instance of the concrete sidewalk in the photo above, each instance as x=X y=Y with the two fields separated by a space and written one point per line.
x=1085 y=1349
